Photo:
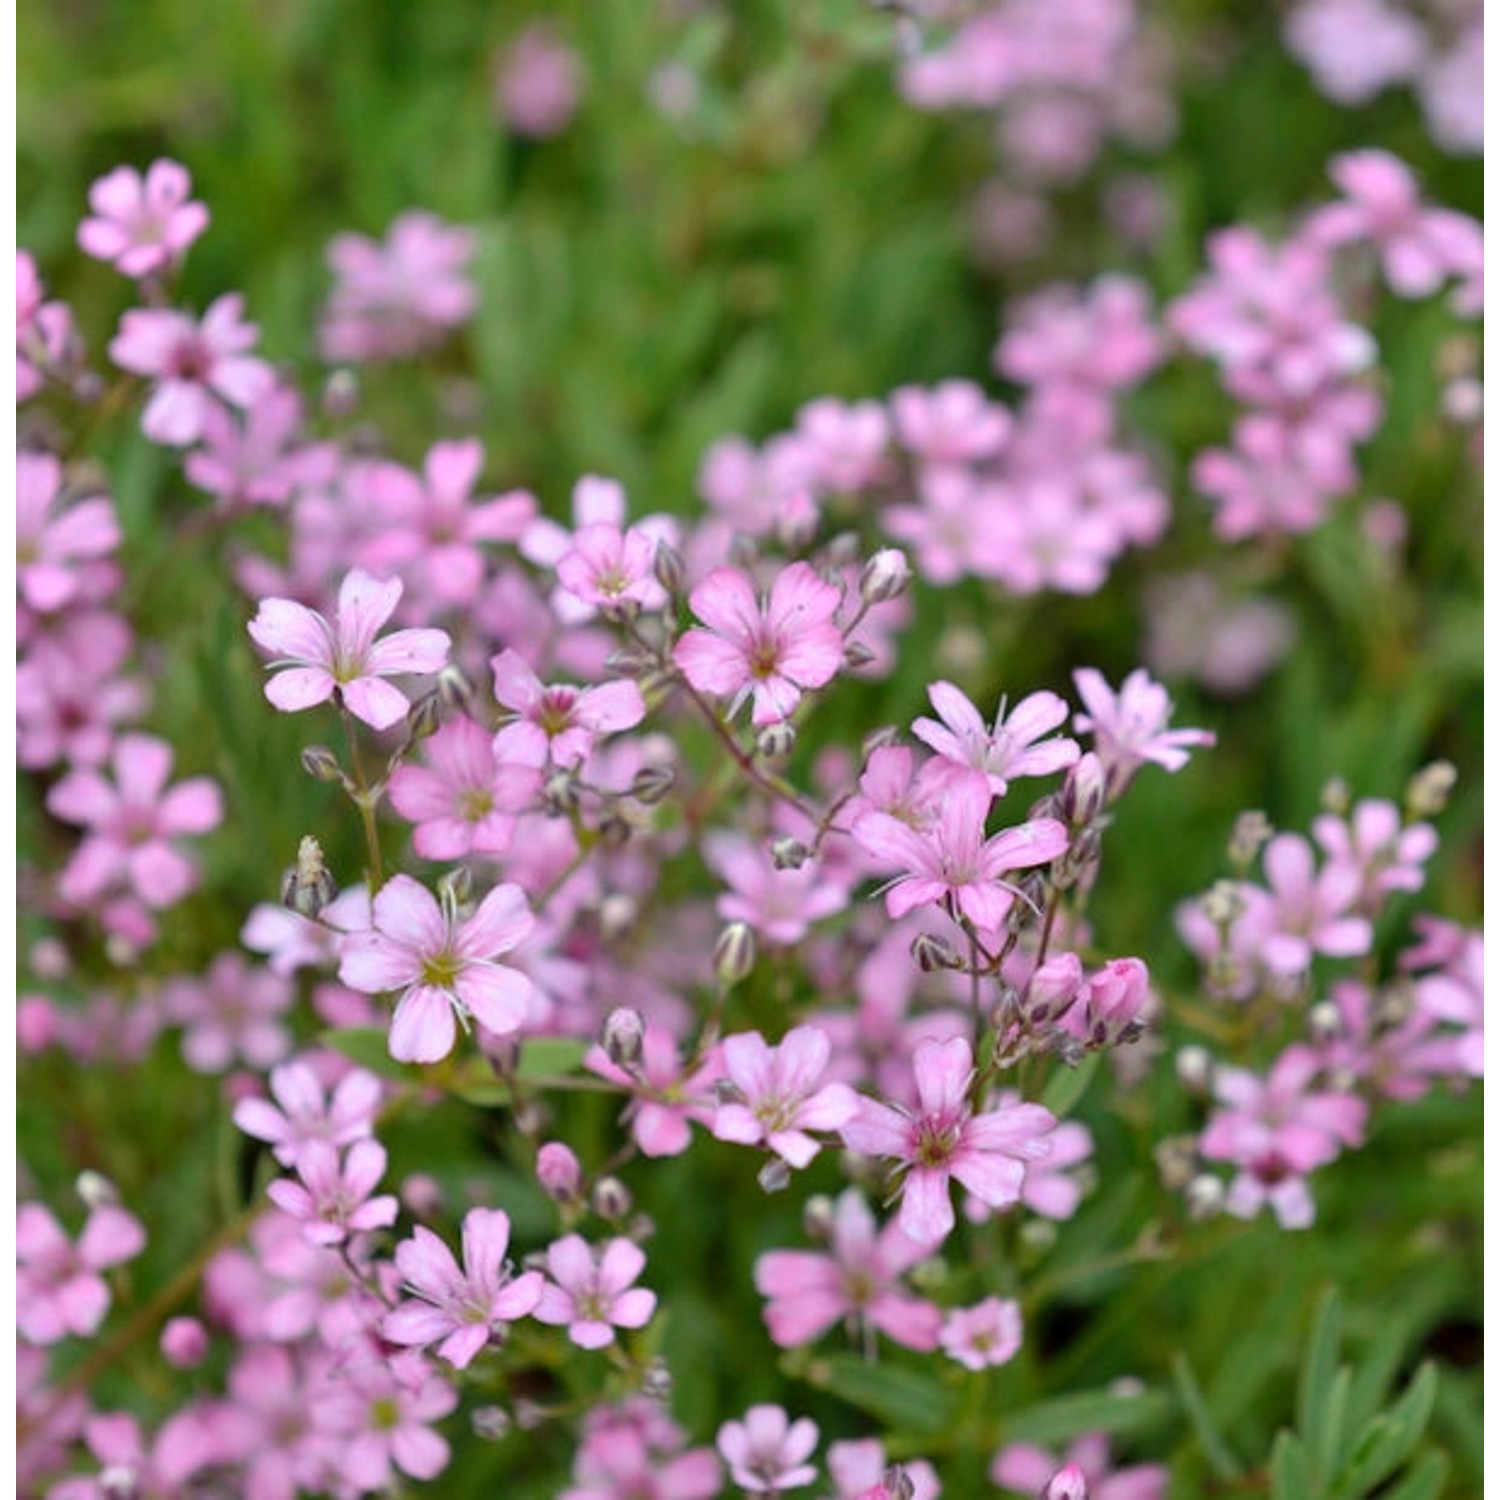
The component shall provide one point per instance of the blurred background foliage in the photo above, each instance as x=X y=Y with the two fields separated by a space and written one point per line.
x=649 y=284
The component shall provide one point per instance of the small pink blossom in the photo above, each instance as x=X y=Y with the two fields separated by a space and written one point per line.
x=304 y=1111
x=1083 y=1473
x=234 y=1013
x=773 y=650
x=444 y=967
x=191 y=363
x=989 y=1333
x=44 y=331
x=845 y=443
x=668 y=1097
x=591 y=1292
x=943 y=1138
x=781 y=1093
x=332 y=1201
x=314 y=661
x=606 y=568
x=55 y=541
x=538 y=84
x=1015 y=746
x=766 y=1453
x=780 y=904
x=953 y=423
x=258 y=461
x=460 y=1309
x=59 y=1290
x=380 y=1415
x=1130 y=727
x=557 y=723
x=859 y=1467
x=1309 y=911
x=142 y=224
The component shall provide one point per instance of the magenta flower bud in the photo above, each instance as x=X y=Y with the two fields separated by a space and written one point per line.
x=1068 y=1483
x=559 y=1173
x=184 y=1342
x=422 y=1195
x=1083 y=792
x=1116 y=998
x=36 y=1024
x=1053 y=988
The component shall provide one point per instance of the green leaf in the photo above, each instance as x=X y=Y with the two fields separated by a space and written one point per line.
x=1064 y=1417
x=1221 y=1460
x=1329 y=1435
x=550 y=1056
x=1390 y=1439
x=1424 y=1482
x=1066 y=1087
x=369 y=1047
x=1291 y=1470
x=904 y=1397
x=1319 y=1364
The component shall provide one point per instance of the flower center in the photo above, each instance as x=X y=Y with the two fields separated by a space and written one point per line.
x=935 y=1143
x=555 y=712
x=441 y=969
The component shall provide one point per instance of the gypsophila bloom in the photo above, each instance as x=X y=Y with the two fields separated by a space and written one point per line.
x=142 y=224
x=59 y=1290
x=305 y=1111
x=1026 y=1471
x=460 y=1309
x=313 y=660
x=858 y=1467
x=1130 y=727
x=591 y=1292
x=332 y=1201
x=444 y=967
x=56 y=544
x=989 y=1333
x=668 y=1096
x=557 y=723
x=766 y=1453
x=1013 y=747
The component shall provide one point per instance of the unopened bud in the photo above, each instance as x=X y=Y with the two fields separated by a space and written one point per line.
x=1195 y=1069
x=308 y=887
x=1082 y=797
x=734 y=954
x=627 y=661
x=490 y=1422
x=184 y=1343
x=615 y=830
x=1428 y=791
x=789 y=853
x=1177 y=1161
x=776 y=741
x=1006 y=1008
x=933 y=953
x=774 y=1176
x=120 y=1482
x=618 y=913
x=321 y=763
x=656 y=1381
x=1069 y=1483
x=1038 y=1235
x=1077 y=860
x=840 y=552
x=1251 y=830
x=611 y=1199
x=1053 y=989
x=1324 y=1022
x=877 y=739
x=1223 y=904
x=885 y=576
x=623 y=1036
x=669 y=568
x=529 y=1414
x=727 y=1091
x=1205 y=1196
x=560 y=793
x=652 y=783
x=454 y=890
x=898 y=1483
x=818 y=1218
x=340 y=395
x=559 y=1172
x=1064 y=1046
x=1393 y=1007
x=422 y=1195
x=455 y=690
x=1334 y=797
x=425 y=715
x=96 y=1190
x=857 y=656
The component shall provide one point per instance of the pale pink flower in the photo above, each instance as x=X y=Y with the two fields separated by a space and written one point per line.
x=44 y=331
x=380 y=1414
x=133 y=822
x=632 y=1454
x=400 y=296
x=591 y=1290
x=781 y=1093
x=1356 y=48
x=606 y=568
x=989 y=1333
x=950 y=861
x=845 y=443
x=233 y=1013
x=191 y=363
x=1130 y=727
x=859 y=1466
x=1026 y=1470
x=781 y=904
x=59 y=1290
x=444 y=967
x=668 y=1097
x=314 y=661
x=1015 y=746
x=767 y=1453
x=952 y=423
x=858 y=1282
x=461 y=1307
x=332 y=1201
x=462 y=799
x=1050 y=1188
x=259 y=461
x=1276 y=1130
x=538 y=84
x=1310 y=910
x=305 y=1111
x=1386 y=854
x=557 y=723
x=142 y=224
x=54 y=541
x=774 y=650
x=943 y=1138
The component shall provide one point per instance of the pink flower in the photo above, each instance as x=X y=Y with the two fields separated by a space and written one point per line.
x=766 y=1453
x=443 y=967
x=401 y=296
x=1276 y=1131
x=305 y=1112
x=781 y=904
x=859 y=1467
x=315 y=660
x=191 y=363
x=558 y=723
x=538 y=85
x=989 y=1333
x=1130 y=727
x=462 y=1308
x=1385 y=854
x=950 y=860
x=667 y=1096
x=233 y=1013
x=44 y=331
x=944 y=1139
x=52 y=540
x=132 y=824
x=58 y=1286
x=858 y=1281
x=380 y=1415
x=606 y=568
x=592 y=1293
x=1084 y=1473
x=780 y=1097
x=624 y=1458
x=1356 y=48
x=774 y=651
x=332 y=1201
x=953 y=423
x=1010 y=749
x=845 y=443
x=462 y=800
x=142 y=224
x=258 y=462
x=1309 y=912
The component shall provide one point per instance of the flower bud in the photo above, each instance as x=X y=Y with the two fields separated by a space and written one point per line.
x=559 y=1172
x=455 y=690
x=321 y=763
x=96 y=1190
x=622 y=1036
x=1223 y=904
x=774 y=1175
x=490 y=1422
x=652 y=783
x=1428 y=791
x=734 y=954
x=618 y=913
x=857 y=655
x=789 y=853
x=776 y=741
x=1069 y=1483
x=425 y=715
x=1334 y=798
x=1081 y=799
x=454 y=890
x=308 y=887
x=885 y=576
x=120 y=1482
x=1177 y=1161
x=933 y=953
x=184 y=1343
x=627 y=661
x=1205 y=1196
x=841 y=551
x=529 y=1415
x=422 y=1194
x=1117 y=995
x=656 y=1381
x=611 y=1199
x=1053 y=989
x=1251 y=830
x=818 y=1218
x=340 y=397
x=670 y=570
x=615 y=830
x=1195 y=1069
x=877 y=739
x=1324 y=1021
x=898 y=1483
x=560 y=794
